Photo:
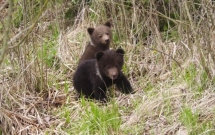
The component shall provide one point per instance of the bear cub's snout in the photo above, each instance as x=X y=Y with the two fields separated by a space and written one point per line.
x=113 y=73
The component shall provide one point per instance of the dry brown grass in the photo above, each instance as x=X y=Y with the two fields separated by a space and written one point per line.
x=170 y=70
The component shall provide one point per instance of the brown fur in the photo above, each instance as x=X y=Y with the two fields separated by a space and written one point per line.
x=93 y=77
x=101 y=37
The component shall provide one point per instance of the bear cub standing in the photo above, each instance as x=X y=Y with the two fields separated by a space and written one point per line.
x=100 y=37
x=93 y=77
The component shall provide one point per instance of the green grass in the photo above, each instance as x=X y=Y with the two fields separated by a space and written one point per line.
x=94 y=118
x=195 y=124
x=197 y=80
x=189 y=118
x=190 y=74
x=47 y=53
x=101 y=120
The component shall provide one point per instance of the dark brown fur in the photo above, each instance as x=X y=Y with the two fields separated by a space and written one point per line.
x=93 y=77
x=101 y=37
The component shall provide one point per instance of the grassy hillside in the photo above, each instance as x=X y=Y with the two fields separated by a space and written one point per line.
x=169 y=60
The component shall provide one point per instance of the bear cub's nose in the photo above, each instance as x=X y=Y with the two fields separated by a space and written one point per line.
x=107 y=40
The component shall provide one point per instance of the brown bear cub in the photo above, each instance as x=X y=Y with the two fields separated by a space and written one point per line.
x=93 y=77
x=100 y=37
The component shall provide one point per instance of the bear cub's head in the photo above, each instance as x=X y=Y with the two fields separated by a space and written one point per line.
x=101 y=36
x=110 y=63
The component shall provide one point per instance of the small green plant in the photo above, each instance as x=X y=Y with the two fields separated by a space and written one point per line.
x=1 y=28
x=66 y=88
x=204 y=81
x=17 y=16
x=67 y=116
x=189 y=118
x=47 y=53
x=55 y=30
x=115 y=37
x=168 y=108
x=190 y=77
x=190 y=74
x=148 y=87
x=125 y=69
x=175 y=72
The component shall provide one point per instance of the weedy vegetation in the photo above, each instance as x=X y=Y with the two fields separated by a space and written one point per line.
x=169 y=60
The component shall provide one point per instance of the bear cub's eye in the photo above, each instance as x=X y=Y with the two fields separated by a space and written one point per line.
x=100 y=36
x=107 y=33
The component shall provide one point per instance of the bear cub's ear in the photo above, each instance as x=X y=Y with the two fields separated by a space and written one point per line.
x=99 y=55
x=120 y=51
x=108 y=24
x=90 y=30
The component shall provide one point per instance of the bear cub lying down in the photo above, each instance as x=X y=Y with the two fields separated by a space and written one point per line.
x=93 y=77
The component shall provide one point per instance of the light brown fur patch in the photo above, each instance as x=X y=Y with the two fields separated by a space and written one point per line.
x=100 y=37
